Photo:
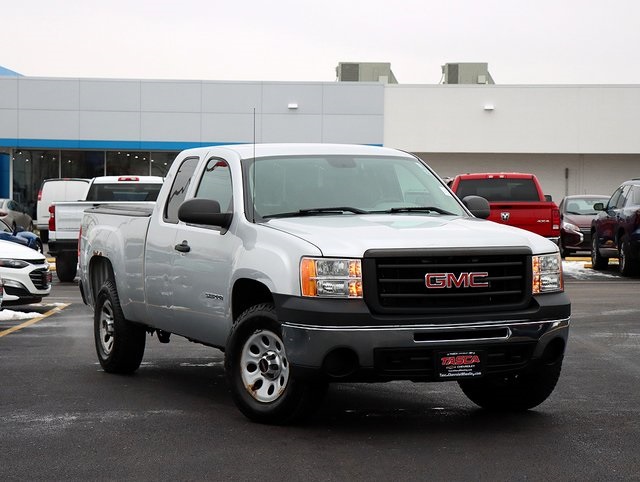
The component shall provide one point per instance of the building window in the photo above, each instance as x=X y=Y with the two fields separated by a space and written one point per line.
x=161 y=162
x=83 y=164
x=128 y=162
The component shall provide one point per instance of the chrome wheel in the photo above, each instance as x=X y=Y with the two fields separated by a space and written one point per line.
x=106 y=328
x=264 y=366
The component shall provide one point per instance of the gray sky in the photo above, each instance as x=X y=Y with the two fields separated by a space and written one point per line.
x=524 y=41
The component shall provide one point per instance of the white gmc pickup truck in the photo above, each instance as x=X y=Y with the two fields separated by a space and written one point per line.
x=314 y=263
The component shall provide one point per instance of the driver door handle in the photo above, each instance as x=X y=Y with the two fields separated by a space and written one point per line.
x=183 y=247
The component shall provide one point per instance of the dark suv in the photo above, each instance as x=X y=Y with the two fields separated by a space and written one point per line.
x=616 y=229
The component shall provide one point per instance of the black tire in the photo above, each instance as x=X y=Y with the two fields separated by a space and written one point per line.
x=563 y=251
x=597 y=261
x=66 y=267
x=39 y=247
x=259 y=375
x=627 y=260
x=44 y=235
x=119 y=343
x=514 y=392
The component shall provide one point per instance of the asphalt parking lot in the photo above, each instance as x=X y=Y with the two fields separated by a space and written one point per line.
x=63 y=418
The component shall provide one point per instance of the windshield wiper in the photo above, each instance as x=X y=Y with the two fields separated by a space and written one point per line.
x=416 y=209
x=314 y=211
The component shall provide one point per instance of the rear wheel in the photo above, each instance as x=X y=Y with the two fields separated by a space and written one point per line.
x=515 y=392
x=627 y=260
x=597 y=261
x=259 y=373
x=66 y=266
x=119 y=343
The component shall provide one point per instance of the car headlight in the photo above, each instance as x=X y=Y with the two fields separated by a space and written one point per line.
x=570 y=226
x=547 y=273
x=13 y=263
x=331 y=278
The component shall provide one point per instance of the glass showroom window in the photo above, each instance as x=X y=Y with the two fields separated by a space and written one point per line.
x=128 y=162
x=29 y=169
x=161 y=162
x=84 y=164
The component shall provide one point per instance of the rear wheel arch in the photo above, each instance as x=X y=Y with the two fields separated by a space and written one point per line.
x=100 y=270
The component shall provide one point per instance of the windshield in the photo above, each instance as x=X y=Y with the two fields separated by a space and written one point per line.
x=583 y=206
x=316 y=185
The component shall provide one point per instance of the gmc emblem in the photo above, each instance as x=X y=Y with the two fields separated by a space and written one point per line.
x=450 y=280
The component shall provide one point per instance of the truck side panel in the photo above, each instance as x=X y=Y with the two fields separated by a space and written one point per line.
x=118 y=239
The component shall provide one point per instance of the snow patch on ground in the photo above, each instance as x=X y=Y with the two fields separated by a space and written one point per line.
x=10 y=315
x=583 y=270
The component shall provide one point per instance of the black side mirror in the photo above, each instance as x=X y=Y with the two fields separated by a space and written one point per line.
x=204 y=211
x=478 y=206
x=598 y=207
x=548 y=198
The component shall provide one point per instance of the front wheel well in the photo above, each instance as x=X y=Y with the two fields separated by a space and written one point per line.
x=247 y=293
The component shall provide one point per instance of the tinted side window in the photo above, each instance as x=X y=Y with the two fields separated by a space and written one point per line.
x=216 y=184
x=623 y=197
x=633 y=199
x=179 y=189
x=614 y=198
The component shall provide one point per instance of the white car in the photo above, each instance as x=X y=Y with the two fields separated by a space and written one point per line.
x=25 y=273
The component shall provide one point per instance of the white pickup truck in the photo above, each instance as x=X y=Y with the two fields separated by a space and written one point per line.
x=65 y=216
x=314 y=263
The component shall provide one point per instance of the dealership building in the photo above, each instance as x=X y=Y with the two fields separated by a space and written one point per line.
x=576 y=138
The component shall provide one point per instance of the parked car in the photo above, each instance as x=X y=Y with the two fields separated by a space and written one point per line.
x=25 y=272
x=59 y=189
x=20 y=236
x=615 y=230
x=576 y=214
x=15 y=214
x=515 y=198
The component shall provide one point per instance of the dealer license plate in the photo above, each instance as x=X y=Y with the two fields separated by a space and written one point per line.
x=452 y=365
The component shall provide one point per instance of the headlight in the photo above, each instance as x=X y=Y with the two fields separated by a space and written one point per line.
x=13 y=263
x=570 y=226
x=547 y=273
x=331 y=278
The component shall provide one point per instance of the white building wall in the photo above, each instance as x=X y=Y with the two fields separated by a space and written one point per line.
x=524 y=119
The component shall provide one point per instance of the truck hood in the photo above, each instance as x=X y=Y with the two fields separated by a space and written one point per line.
x=351 y=235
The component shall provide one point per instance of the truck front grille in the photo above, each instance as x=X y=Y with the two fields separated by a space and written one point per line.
x=447 y=281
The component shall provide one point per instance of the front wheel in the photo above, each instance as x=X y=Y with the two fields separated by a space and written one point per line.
x=259 y=373
x=597 y=261
x=514 y=392
x=119 y=343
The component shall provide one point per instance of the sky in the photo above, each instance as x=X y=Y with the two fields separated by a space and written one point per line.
x=523 y=41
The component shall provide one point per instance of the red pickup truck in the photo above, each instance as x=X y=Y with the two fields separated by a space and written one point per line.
x=515 y=199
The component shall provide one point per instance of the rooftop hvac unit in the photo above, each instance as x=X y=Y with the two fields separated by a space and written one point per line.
x=365 y=72
x=467 y=73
